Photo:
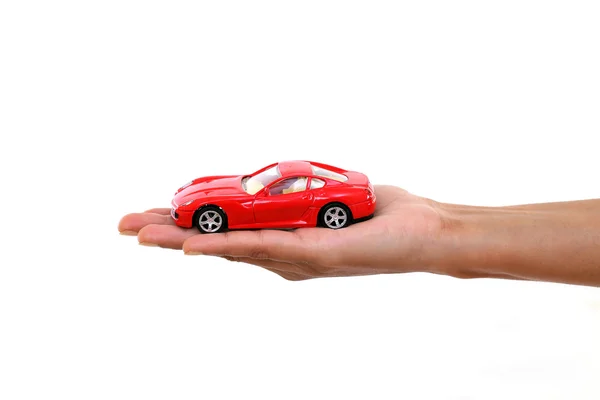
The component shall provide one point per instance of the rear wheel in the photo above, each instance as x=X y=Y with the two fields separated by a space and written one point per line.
x=335 y=216
x=211 y=219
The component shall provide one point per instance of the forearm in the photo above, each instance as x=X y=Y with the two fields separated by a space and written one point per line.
x=557 y=242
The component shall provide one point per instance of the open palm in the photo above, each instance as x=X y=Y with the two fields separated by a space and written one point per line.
x=392 y=241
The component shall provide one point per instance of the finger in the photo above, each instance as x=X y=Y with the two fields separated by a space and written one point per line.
x=167 y=236
x=277 y=267
x=260 y=244
x=161 y=211
x=132 y=223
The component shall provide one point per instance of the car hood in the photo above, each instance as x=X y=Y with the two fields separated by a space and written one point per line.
x=209 y=186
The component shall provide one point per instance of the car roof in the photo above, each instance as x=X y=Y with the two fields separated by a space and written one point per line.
x=294 y=168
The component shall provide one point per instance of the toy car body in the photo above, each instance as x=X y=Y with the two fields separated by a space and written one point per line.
x=289 y=194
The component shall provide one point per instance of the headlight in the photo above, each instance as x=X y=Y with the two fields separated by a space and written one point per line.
x=187 y=203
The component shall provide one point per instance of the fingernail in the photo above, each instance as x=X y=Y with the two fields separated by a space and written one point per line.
x=128 y=233
x=193 y=253
x=148 y=244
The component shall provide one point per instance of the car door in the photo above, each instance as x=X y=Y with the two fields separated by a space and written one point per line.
x=284 y=201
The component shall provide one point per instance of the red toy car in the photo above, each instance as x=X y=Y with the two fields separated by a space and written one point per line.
x=290 y=194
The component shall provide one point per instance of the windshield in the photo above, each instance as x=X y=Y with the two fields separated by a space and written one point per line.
x=253 y=184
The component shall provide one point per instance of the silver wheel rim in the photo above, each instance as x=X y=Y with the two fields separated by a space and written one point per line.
x=210 y=221
x=335 y=217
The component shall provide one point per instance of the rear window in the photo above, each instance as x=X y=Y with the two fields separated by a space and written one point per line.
x=325 y=173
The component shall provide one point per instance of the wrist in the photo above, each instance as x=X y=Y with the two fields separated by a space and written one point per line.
x=479 y=242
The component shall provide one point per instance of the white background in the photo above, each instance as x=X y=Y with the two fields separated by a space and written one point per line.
x=107 y=107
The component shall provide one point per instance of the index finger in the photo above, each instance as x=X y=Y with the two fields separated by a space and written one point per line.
x=135 y=222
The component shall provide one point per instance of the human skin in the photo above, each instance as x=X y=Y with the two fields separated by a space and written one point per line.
x=554 y=242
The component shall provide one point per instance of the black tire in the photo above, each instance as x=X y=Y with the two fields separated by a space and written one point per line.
x=210 y=219
x=335 y=216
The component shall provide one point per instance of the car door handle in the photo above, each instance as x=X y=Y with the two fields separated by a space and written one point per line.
x=307 y=196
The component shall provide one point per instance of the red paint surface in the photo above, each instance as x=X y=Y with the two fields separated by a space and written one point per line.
x=266 y=210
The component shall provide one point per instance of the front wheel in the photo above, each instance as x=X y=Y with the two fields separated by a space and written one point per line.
x=335 y=216
x=211 y=220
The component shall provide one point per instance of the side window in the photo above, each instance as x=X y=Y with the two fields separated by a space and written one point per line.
x=289 y=185
x=316 y=183
x=325 y=173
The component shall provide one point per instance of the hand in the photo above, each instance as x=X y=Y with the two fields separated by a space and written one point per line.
x=399 y=238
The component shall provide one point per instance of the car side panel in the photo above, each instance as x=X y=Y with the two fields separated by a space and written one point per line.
x=363 y=210
x=282 y=208
x=184 y=219
x=309 y=219
x=238 y=210
x=341 y=193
